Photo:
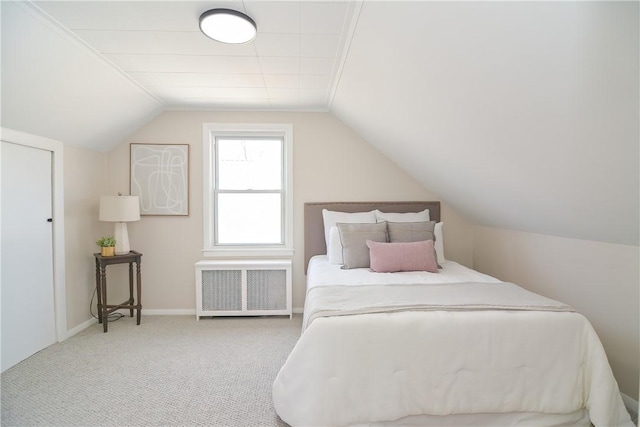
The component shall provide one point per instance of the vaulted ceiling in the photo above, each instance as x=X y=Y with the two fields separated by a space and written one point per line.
x=521 y=115
x=158 y=44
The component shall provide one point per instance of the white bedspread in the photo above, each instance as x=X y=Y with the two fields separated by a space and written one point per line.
x=345 y=300
x=376 y=367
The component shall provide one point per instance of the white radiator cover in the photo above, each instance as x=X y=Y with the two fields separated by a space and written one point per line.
x=243 y=288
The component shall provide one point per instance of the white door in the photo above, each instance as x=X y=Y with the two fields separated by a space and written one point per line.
x=27 y=291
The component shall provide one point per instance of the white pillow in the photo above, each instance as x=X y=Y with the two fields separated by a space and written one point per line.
x=331 y=218
x=439 y=243
x=402 y=217
x=334 y=250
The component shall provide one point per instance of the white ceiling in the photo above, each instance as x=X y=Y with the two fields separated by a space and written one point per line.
x=291 y=65
x=519 y=115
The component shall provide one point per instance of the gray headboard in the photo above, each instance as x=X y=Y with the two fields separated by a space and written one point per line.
x=314 y=243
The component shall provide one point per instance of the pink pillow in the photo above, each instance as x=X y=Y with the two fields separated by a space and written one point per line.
x=409 y=256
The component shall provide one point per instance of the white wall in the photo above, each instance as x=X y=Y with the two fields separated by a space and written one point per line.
x=84 y=181
x=331 y=163
x=600 y=280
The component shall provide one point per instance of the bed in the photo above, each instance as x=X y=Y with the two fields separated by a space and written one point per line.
x=453 y=347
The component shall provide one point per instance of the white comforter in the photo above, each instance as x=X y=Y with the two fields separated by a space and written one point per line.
x=376 y=367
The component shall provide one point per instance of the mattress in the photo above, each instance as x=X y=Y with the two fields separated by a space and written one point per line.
x=443 y=367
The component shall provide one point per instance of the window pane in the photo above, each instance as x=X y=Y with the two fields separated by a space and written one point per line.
x=249 y=219
x=249 y=164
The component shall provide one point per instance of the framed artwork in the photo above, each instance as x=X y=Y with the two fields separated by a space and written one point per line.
x=160 y=177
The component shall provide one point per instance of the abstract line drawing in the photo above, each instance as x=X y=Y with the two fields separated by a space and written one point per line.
x=160 y=177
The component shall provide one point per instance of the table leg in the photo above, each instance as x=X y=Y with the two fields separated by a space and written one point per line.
x=131 y=289
x=98 y=292
x=139 y=289
x=103 y=288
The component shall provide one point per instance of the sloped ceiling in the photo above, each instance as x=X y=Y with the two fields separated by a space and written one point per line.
x=112 y=65
x=54 y=86
x=289 y=66
x=521 y=115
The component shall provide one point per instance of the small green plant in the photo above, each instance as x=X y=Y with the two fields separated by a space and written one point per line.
x=105 y=242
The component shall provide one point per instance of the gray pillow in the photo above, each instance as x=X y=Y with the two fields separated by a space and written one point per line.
x=355 y=252
x=412 y=232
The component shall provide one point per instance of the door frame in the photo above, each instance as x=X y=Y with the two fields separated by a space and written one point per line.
x=57 y=197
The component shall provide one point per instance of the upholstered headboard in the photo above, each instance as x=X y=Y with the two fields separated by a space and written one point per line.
x=314 y=241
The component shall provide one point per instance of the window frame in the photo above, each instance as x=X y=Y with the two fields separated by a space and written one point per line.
x=217 y=191
x=214 y=131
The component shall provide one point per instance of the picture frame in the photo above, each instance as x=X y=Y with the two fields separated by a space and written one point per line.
x=159 y=176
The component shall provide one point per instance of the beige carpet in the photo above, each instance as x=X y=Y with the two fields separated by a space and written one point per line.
x=170 y=370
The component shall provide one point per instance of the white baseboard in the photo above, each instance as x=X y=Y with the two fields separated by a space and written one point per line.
x=161 y=312
x=81 y=327
x=170 y=312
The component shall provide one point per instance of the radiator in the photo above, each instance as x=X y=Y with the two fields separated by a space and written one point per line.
x=243 y=288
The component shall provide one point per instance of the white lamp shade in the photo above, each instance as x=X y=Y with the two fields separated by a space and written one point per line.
x=119 y=208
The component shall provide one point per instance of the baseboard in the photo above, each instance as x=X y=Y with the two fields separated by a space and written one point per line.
x=170 y=312
x=188 y=311
x=631 y=405
x=160 y=312
x=81 y=327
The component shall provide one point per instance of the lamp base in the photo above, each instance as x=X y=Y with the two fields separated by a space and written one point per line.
x=122 y=239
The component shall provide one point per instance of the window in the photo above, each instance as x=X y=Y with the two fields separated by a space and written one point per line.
x=248 y=197
x=248 y=175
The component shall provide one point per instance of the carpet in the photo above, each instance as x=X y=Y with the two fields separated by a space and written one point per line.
x=169 y=370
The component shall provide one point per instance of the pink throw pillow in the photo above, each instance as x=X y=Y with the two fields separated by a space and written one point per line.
x=409 y=256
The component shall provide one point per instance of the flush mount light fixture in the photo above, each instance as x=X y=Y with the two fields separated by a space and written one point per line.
x=228 y=26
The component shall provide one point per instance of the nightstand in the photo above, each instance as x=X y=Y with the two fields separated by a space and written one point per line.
x=101 y=285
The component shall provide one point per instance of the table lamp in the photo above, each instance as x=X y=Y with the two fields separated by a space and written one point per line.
x=120 y=209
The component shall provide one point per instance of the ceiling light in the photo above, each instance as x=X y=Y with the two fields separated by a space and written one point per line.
x=228 y=26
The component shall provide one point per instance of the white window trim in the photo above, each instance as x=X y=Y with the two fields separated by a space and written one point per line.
x=210 y=132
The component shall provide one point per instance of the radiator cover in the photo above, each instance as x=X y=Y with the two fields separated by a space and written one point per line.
x=243 y=288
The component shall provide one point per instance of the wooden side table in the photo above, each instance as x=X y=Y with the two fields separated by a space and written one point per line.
x=101 y=285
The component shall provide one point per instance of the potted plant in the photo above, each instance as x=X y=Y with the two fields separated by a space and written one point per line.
x=107 y=245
